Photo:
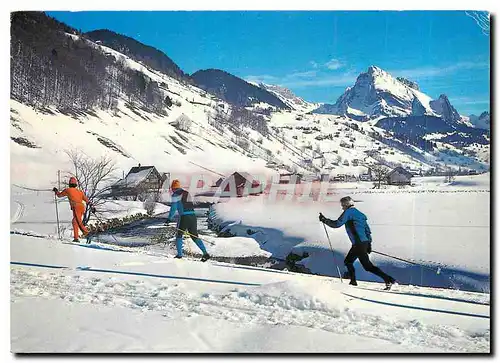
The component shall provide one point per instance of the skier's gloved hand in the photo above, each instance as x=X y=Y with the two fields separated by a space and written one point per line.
x=55 y=190
x=322 y=218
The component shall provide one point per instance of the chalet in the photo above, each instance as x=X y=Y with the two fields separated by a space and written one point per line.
x=140 y=181
x=399 y=176
x=241 y=179
x=286 y=178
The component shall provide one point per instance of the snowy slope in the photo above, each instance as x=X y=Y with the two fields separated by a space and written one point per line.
x=122 y=293
x=340 y=143
x=137 y=136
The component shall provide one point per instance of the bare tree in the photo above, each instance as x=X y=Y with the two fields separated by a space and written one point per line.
x=150 y=202
x=94 y=177
x=379 y=172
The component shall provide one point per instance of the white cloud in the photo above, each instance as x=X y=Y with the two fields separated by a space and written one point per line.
x=307 y=79
x=311 y=78
x=263 y=79
x=346 y=79
x=333 y=64
x=307 y=74
x=432 y=72
x=470 y=100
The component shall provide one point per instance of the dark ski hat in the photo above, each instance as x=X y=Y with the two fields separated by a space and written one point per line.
x=347 y=201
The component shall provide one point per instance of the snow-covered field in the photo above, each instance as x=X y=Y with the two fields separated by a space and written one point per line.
x=130 y=300
x=435 y=225
x=125 y=302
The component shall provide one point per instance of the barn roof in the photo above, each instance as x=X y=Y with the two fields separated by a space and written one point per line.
x=245 y=175
x=136 y=176
x=136 y=169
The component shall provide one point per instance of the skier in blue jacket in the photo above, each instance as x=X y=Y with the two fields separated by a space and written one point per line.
x=359 y=233
x=182 y=204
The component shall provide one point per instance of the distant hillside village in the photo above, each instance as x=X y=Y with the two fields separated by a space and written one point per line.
x=142 y=181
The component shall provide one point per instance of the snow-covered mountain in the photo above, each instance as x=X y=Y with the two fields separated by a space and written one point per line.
x=377 y=93
x=482 y=121
x=133 y=297
x=401 y=109
x=442 y=106
x=289 y=98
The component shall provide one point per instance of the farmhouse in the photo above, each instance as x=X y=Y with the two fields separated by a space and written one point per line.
x=139 y=182
x=399 y=176
x=287 y=178
x=240 y=179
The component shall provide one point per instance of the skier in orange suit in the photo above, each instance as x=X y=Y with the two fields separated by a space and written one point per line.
x=76 y=198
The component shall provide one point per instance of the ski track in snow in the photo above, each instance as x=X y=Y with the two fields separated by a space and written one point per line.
x=240 y=305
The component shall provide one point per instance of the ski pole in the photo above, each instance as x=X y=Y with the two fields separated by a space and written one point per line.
x=57 y=217
x=410 y=262
x=396 y=258
x=191 y=235
x=333 y=253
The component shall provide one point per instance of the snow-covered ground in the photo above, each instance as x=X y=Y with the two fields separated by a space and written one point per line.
x=117 y=299
x=435 y=225
x=33 y=213
x=126 y=302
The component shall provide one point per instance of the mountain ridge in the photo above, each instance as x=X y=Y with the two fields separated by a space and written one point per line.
x=233 y=89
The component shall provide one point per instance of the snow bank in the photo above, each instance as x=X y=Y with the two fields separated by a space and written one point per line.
x=235 y=247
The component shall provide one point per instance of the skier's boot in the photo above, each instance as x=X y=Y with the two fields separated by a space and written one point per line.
x=389 y=283
x=205 y=257
x=88 y=237
x=177 y=256
x=76 y=240
x=353 y=283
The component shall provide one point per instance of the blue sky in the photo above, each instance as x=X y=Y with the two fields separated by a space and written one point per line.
x=317 y=54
